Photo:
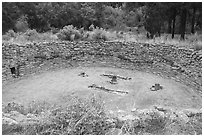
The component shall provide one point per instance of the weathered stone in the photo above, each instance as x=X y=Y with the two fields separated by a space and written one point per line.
x=114 y=131
x=16 y=116
x=182 y=116
x=9 y=121
x=192 y=112
x=132 y=55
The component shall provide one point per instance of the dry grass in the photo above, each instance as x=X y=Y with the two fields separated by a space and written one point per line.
x=28 y=37
x=76 y=117
x=100 y=34
x=88 y=117
x=193 y=41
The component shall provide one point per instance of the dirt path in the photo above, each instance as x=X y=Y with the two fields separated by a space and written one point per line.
x=53 y=86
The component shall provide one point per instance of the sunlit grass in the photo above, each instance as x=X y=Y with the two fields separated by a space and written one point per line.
x=193 y=41
x=24 y=38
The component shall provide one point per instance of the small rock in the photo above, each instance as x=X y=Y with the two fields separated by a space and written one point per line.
x=76 y=48
x=83 y=74
x=192 y=112
x=114 y=131
x=134 y=109
x=17 y=116
x=182 y=116
x=128 y=117
x=175 y=68
x=9 y=121
x=29 y=115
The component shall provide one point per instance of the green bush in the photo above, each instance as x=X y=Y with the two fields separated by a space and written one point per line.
x=28 y=36
x=99 y=34
x=31 y=35
x=10 y=34
x=22 y=24
x=12 y=106
x=69 y=33
x=35 y=107
x=31 y=32
x=5 y=38
x=91 y=27
x=198 y=46
x=81 y=117
x=48 y=36
x=54 y=30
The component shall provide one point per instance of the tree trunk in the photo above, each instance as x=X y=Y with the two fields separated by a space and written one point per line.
x=169 y=25
x=199 y=20
x=174 y=22
x=151 y=36
x=148 y=35
x=193 y=21
x=159 y=31
x=183 y=23
x=173 y=29
x=99 y=14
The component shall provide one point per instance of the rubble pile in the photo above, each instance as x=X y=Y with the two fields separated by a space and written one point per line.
x=182 y=65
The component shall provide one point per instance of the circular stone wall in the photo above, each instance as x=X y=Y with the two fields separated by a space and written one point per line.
x=132 y=89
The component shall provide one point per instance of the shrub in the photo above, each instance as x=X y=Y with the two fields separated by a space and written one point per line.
x=87 y=116
x=28 y=36
x=20 y=39
x=76 y=117
x=81 y=117
x=48 y=36
x=91 y=27
x=10 y=34
x=86 y=35
x=69 y=33
x=22 y=24
x=198 y=46
x=54 y=30
x=99 y=34
x=81 y=30
x=31 y=35
x=35 y=107
x=6 y=38
x=12 y=106
x=31 y=32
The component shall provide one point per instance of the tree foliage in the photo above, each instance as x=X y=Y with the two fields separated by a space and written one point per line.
x=153 y=16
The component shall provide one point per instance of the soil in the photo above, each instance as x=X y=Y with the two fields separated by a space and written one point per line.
x=53 y=86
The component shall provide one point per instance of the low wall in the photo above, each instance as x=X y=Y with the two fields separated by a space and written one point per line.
x=182 y=65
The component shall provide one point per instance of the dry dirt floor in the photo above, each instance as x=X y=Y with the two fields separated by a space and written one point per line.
x=53 y=86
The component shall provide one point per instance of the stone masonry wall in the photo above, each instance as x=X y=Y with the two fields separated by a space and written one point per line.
x=182 y=65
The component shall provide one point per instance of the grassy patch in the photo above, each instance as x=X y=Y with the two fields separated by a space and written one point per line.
x=28 y=37
x=79 y=116
x=193 y=41
x=71 y=33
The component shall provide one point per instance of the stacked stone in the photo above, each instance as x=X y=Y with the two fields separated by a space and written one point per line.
x=183 y=64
